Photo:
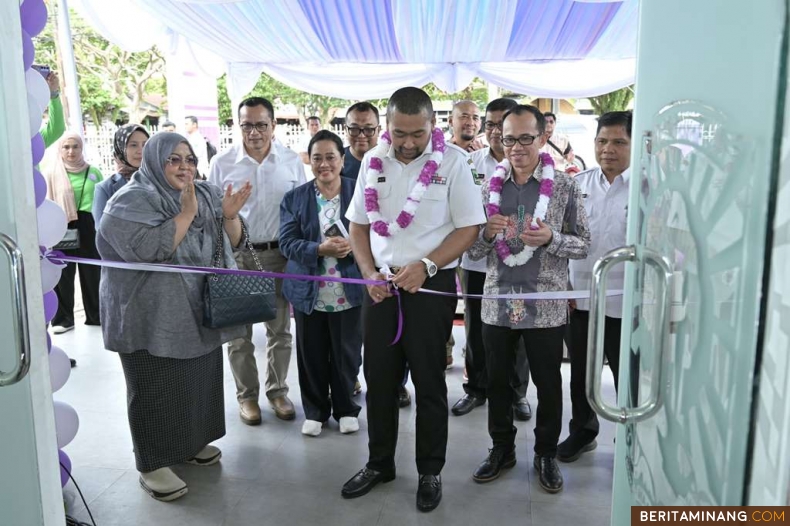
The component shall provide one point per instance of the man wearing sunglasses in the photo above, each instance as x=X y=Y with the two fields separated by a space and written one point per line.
x=362 y=134
x=273 y=170
x=561 y=234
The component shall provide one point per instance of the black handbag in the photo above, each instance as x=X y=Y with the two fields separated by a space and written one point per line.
x=230 y=300
x=71 y=240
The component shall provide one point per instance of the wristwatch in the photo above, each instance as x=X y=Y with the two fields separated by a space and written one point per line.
x=430 y=267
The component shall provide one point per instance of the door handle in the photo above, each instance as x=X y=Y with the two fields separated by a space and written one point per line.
x=595 y=351
x=19 y=306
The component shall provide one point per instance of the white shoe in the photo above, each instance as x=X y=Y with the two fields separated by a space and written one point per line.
x=208 y=455
x=311 y=428
x=60 y=329
x=162 y=484
x=349 y=424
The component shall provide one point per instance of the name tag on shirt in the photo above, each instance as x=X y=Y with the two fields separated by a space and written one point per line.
x=382 y=179
x=479 y=178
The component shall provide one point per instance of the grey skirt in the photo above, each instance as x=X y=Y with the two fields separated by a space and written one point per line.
x=176 y=407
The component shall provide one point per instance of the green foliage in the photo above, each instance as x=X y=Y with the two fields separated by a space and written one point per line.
x=110 y=79
x=614 y=101
x=308 y=104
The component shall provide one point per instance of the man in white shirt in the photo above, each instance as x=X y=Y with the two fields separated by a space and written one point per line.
x=420 y=251
x=558 y=145
x=605 y=194
x=198 y=143
x=464 y=123
x=313 y=125
x=273 y=171
x=473 y=277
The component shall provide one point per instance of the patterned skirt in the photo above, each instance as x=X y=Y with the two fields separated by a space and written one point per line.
x=176 y=407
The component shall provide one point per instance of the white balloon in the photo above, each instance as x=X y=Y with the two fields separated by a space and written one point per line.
x=38 y=89
x=66 y=423
x=52 y=224
x=59 y=368
x=34 y=115
x=50 y=275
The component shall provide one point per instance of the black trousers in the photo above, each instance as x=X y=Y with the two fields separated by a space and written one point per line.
x=472 y=283
x=584 y=420
x=327 y=351
x=89 y=276
x=544 y=351
x=427 y=323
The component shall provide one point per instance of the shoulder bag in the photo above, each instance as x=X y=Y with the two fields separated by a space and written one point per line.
x=231 y=300
x=71 y=240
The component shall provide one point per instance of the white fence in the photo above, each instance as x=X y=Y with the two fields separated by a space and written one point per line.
x=98 y=141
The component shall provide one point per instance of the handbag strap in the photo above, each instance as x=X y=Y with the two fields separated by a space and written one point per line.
x=82 y=190
x=219 y=250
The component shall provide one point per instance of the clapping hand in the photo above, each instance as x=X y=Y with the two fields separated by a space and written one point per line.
x=537 y=238
x=189 y=200
x=232 y=202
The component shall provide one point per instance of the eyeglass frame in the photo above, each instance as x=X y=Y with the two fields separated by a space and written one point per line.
x=190 y=160
x=514 y=140
x=256 y=127
x=493 y=125
x=359 y=129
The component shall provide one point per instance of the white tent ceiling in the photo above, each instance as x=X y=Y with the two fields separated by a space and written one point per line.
x=361 y=49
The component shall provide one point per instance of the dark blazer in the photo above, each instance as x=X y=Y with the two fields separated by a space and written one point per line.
x=300 y=235
x=103 y=192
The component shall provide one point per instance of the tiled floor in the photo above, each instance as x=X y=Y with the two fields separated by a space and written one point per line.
x=273 y=475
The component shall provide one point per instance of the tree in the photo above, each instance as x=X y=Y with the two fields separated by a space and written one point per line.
x=614 y=101
x=110 y=79
x=307 y=104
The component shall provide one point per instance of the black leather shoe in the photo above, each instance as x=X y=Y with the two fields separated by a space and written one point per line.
x=522 y=410
x=466 y=404
x=574 y=446
x=364 y=481
x=499 y=458
x=429 y=492
x=549 y=476
x=404 y=399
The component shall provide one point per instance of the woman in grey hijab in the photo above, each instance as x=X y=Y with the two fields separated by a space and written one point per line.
x=154 y=320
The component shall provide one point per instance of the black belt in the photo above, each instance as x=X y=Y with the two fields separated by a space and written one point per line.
x=269 y=245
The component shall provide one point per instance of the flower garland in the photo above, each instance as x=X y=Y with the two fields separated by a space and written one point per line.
x=495 y=186
x=376 y=167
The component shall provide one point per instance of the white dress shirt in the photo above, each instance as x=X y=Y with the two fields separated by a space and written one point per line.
x=452 y=201
x=280 y=172
x=485 y=165
x=199 y=145
x=607 y=209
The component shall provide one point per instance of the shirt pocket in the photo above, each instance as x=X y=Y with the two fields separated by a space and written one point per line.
x=433 y=209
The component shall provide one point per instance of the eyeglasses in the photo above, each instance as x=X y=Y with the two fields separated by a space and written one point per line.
x=354 y=131
x=524 y=140
x=176 y=161
x=491 y=125
x=246 y=127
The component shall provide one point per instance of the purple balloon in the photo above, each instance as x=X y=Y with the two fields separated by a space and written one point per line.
x=50 y=305
x=40 y=187
x=28 y=52
x=34 y=16
x=64 y=473
x=37 y=147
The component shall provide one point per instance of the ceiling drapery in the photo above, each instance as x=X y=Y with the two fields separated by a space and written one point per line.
x=360 y=49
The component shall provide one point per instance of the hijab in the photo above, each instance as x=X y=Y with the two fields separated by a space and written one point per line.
x=57 y=172
x=150 y=200
x=119 y=143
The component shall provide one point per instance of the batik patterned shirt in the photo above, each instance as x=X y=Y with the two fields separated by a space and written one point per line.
x=547 y=270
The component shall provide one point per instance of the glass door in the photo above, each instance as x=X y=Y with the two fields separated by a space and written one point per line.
x=708 y=112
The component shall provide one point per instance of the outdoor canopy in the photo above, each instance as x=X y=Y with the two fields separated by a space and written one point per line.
x=366 y=49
